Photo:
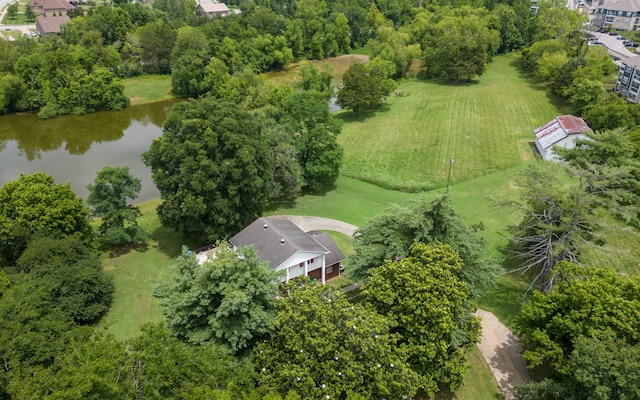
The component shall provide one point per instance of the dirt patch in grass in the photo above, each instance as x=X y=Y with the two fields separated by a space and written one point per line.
x=338 y=66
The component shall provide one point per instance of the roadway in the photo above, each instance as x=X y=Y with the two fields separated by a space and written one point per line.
x=614 y=46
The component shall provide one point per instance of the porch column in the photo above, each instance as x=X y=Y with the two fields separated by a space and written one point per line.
x=306 y=268
x=287 y=279
x=323 y=269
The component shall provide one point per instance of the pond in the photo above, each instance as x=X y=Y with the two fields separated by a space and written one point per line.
x=73 y=148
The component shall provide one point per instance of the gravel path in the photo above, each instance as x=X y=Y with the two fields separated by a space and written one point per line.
x=498 y=345
x=502 y=352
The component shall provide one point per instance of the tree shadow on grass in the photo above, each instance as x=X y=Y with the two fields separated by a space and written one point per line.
x=117 y=251
x=448 y=82
x=348 y=116
x=290 y=203
x=170 y=242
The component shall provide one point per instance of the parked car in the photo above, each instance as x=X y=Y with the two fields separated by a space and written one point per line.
x=596 y=42
x=612 y=34
x=620 y=37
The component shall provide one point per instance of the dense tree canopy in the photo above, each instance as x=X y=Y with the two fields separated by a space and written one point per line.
x=152 y=365
x=229 y=299
x=71 y=273
x=325 y=347
x=211 y=167
x=33 y=330
x=601 y=368
x=585 y=301
x=390 y=235
x=431 y=311
x=35 y=206
x=365 y=86
x=109 y=196
x=460 y=48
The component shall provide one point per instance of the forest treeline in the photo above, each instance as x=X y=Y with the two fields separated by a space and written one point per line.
x=79 y=70
x=229 y=333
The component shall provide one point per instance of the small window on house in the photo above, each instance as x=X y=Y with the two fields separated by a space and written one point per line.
x=329 y=270
x=301 y=265
x=311 y=261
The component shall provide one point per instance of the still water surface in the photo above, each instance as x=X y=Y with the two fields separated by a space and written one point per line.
x=73 y=148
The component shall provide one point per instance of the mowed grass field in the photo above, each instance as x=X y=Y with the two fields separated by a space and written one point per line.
x=147 y=88
x=485 y=126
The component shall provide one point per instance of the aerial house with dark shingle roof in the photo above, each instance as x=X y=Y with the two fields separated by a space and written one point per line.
x=288 y=248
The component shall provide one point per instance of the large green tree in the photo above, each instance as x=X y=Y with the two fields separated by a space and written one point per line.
x=35 y=206
x=389 y=236
x=325 y=347
x=210 y=166
x=430 y=309
x=71 y=273
x=600 y=368
x=459 y=48
x=229 y=299
x=363 y=90
x=33 y=330
x=585 y=301
x=156 y=40
x=109 y=196
x=315 y=133
x=189 y=58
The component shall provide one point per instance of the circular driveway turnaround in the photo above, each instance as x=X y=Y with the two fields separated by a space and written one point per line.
x=307 y=223
x=499 y=346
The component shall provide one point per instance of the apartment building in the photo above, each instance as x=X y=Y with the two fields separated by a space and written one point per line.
x=621 y=15
x=628 y=82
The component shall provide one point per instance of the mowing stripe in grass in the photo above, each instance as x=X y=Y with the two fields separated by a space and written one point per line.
x=484 y=125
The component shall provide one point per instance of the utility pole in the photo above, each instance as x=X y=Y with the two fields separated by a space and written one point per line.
x=449 y=175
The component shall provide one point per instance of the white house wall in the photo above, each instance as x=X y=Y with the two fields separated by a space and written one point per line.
x=542 y=151
x=568 y=143
x=293 y=264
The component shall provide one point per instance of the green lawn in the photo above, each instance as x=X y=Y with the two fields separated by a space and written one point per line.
x=136 y=272
x=479 y=383
x=352 y=201
x=147 y=88
x=485 y=126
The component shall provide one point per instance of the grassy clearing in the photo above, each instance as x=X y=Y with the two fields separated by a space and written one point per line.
x=485 y=126
x=136 y=272
x=147 y=88
x=337 y=65
x=479 y=383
